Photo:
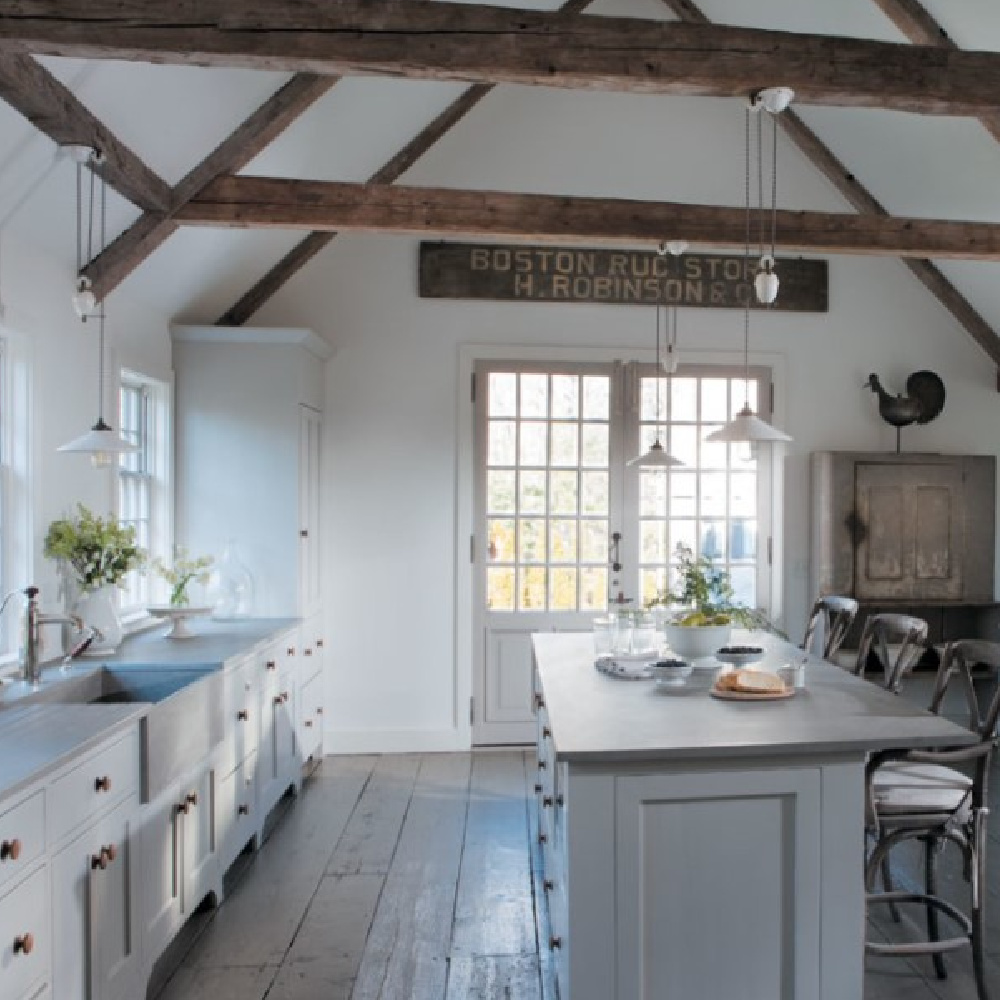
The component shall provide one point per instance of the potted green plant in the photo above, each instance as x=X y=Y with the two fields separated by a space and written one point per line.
x=95 y=554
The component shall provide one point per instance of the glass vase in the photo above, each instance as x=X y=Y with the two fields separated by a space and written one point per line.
x=231 y=586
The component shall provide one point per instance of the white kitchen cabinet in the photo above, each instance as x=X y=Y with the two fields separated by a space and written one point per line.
x=312 y=691
x=236 y=812
x=96 y=943
x=177 y=857
x=249 y=411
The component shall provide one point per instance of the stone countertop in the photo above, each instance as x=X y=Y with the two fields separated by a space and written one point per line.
x=211 y=642
x=36 y=740
x=598 y=719
x=39 y=732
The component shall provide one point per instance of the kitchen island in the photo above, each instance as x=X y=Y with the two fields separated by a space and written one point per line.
x=695 y=848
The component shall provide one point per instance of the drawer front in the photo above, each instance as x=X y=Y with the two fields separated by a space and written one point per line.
x=311 y=718
x=242 y=716
x=236 y=809
x=102 y=781
x=24 y=935
x=22 y=837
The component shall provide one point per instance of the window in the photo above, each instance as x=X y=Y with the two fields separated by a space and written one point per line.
x=143 y=479
x=15 y=525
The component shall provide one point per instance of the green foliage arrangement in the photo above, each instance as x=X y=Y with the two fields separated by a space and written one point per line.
x=183 y=571
x=98 y=550
x=705 y=590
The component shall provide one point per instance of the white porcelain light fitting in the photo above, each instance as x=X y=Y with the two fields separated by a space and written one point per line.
x=772 y=99
x=84 y=299
x=766 y=282
x=102 y=443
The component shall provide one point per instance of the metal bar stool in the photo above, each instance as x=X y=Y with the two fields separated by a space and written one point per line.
x=920 y=795
x=835 y=614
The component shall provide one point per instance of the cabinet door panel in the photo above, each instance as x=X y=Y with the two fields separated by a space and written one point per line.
x=96 y=953
x=912 y=524
x=160 y=868
x=199 y=841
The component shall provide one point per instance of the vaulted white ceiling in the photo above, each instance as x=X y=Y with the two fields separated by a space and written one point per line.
x=683 y=149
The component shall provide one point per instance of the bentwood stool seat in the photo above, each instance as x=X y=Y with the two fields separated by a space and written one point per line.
x=895 y=642
x=921 y=795
x=835 y=615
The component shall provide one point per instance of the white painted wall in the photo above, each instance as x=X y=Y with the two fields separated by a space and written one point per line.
x=61 y=354
x=396 y=403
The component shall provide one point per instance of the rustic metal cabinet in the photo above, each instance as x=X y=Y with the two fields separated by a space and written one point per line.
x=914 y=529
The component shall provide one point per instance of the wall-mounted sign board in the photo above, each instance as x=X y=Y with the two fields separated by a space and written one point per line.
x=622 y=277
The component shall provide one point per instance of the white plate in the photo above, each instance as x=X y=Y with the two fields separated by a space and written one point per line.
x=751 y=695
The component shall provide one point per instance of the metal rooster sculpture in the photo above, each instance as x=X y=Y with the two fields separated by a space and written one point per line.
x=923 y=401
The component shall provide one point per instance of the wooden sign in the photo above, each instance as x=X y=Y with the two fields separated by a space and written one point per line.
x=621 y=277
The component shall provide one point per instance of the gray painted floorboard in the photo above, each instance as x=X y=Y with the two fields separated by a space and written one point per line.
x=417 y=877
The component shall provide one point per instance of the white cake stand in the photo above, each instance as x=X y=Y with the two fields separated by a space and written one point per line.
x=178 y=616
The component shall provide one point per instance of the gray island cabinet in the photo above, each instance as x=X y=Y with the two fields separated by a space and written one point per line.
x=696 y=848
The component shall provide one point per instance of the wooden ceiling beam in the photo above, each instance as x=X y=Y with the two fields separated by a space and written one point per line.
x=482 y=44
x=52 y=108
x=920 y=28
x=300 y=255
x=123 y=255
x=280 y=203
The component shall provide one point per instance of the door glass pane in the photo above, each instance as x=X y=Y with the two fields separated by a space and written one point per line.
x=500 y=484
x=503 y=394
x=595 y=445
x=501 y=545
x=596 y=397
x=531 y=591
x=500 y=588
x=562 y=541
x=534 y=395
x=565 y=444
x=563 y=494
x=565 y=397
x=502 y=435
x=563 y=593
x=594 y=491
x=534 y=446
x=593 y=588
x=532 y=540
x=593 y=541
x=532 y=496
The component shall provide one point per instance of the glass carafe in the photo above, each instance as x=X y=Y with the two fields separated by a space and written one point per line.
x=231 y=586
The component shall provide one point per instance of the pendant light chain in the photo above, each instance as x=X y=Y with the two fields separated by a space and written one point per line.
x=774 y=188
x=746 y=258
x=100 y=308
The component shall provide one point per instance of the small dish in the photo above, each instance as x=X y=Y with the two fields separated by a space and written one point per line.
x=739 y=656
x=671 y=673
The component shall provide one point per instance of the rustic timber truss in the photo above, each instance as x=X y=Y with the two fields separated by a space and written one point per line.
x=320 y=41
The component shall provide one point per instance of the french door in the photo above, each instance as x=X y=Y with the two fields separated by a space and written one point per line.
x=565 y=526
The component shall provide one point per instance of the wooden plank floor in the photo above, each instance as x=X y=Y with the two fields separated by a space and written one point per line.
x=416 y=877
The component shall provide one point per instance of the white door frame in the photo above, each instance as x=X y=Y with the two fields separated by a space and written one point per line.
x=465 y=484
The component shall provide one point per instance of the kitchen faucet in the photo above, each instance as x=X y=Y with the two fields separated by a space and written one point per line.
x=31 y=661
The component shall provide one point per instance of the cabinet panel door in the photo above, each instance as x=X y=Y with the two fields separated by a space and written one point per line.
x=198 y=841
x=160 y=872
x=96 y=953
x=718 y=850
x=310 y=423
x=912 y=532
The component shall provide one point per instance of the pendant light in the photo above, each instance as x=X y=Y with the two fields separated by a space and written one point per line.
x=657 y=456
x=746 y=426
x=101 y=442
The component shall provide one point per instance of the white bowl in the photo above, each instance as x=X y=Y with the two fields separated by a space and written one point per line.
x=694 y=642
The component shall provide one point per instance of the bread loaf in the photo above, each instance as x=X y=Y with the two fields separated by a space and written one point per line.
x=751 y=682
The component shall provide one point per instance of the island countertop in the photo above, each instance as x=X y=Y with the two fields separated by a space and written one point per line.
x=596 y=718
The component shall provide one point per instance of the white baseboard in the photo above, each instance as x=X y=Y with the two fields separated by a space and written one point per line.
x=394 y=741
